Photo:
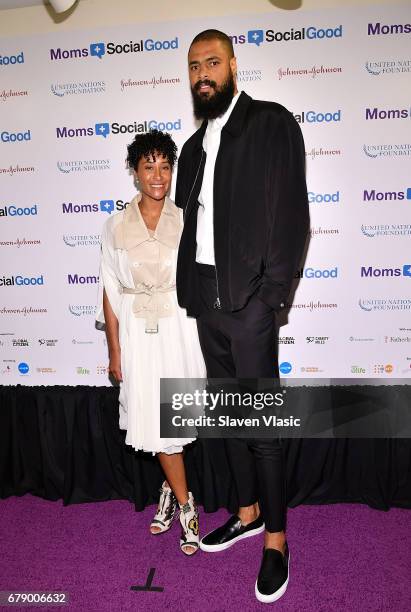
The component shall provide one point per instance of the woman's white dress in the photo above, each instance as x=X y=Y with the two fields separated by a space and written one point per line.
x=143 y=262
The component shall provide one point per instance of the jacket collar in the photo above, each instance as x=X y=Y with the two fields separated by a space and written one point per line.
x=235 y=121
x=134 y=230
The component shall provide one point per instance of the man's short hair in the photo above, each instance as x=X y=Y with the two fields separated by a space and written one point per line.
x=215 y=35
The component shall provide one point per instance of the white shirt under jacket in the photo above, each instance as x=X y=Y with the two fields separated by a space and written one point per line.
x=205 y=227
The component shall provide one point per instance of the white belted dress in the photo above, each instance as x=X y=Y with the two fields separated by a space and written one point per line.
x=157 y=339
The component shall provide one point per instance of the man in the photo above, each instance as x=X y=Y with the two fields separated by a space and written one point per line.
x=241 y=183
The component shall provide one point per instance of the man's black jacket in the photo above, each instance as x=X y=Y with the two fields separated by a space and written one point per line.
x=261 y=216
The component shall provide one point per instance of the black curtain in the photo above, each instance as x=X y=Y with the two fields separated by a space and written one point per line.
x=64 y=442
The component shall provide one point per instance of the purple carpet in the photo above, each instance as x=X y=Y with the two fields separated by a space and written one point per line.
x=343 y=557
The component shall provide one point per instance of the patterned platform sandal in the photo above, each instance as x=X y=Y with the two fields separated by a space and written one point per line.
x=166 y=510
x=190 y=530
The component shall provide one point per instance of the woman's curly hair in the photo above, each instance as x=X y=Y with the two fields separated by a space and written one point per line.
x=146 y=145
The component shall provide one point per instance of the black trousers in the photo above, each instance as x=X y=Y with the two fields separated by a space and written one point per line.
x=242 y=344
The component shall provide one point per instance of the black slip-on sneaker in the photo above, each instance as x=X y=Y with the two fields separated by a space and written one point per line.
x=273 y=576
x=231 y=532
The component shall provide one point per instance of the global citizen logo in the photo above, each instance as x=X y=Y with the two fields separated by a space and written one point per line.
x=257 y=37
x=10 y=94
x=105 y=129
x=154 y=82
x=387 y=230
x=376 y=29
x=83 y=165
x=387 y=113
x=372 y=195
x=17 y=169
x=78 y=89
x=100 y=49
x=373 y=272
x=387 y=150
x=105 y=206
x=312 y=72
x=73 y=240
x=384 y=304
x=382 y=67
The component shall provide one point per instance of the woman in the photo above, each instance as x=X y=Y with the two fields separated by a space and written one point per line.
x=149 y=336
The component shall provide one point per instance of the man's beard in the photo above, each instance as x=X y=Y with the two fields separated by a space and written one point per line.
x=211 y=107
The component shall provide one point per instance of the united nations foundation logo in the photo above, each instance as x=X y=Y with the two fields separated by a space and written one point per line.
x=375 y=151
x=383 y=67
x=83 y=165
x=79 y=240
x=384 y=304
x=62 y=90
x=80 y=310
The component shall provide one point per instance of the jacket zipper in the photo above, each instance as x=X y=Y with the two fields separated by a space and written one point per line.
x=217 y=303
x=194 y=182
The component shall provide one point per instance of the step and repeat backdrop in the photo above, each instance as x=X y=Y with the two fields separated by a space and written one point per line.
x=71 y=102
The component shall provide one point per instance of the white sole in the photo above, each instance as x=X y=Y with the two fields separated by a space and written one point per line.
x=225 y=545
x=277 y=594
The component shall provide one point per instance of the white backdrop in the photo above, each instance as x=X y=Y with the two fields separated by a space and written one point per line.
x=62 y=173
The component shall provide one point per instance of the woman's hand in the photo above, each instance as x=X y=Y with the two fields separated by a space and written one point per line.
x=114 y=366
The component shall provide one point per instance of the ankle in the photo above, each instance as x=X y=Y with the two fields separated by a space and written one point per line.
x=248 y=515
x=276 y=540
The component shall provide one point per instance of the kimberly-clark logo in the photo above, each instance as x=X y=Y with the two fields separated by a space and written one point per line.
x=373 y=304
x=378 y=68
x=317 y=273
x=105 y=129
x=6 y=136
x=373 y=272
x=317 y=117
x=100 y=49
x=81 y=240
x=392 y=230
x=372 y=195
x=9 y=60
x=387 y=113
x=62 y=90
x=82 y=165
x=387 y=150
x=105 y=206
x=378 y=29
x=324 y=198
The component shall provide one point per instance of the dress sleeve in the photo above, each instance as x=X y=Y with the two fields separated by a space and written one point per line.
x=108 y=278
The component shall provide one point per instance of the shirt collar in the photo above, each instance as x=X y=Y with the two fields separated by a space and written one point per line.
x=133 y=231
